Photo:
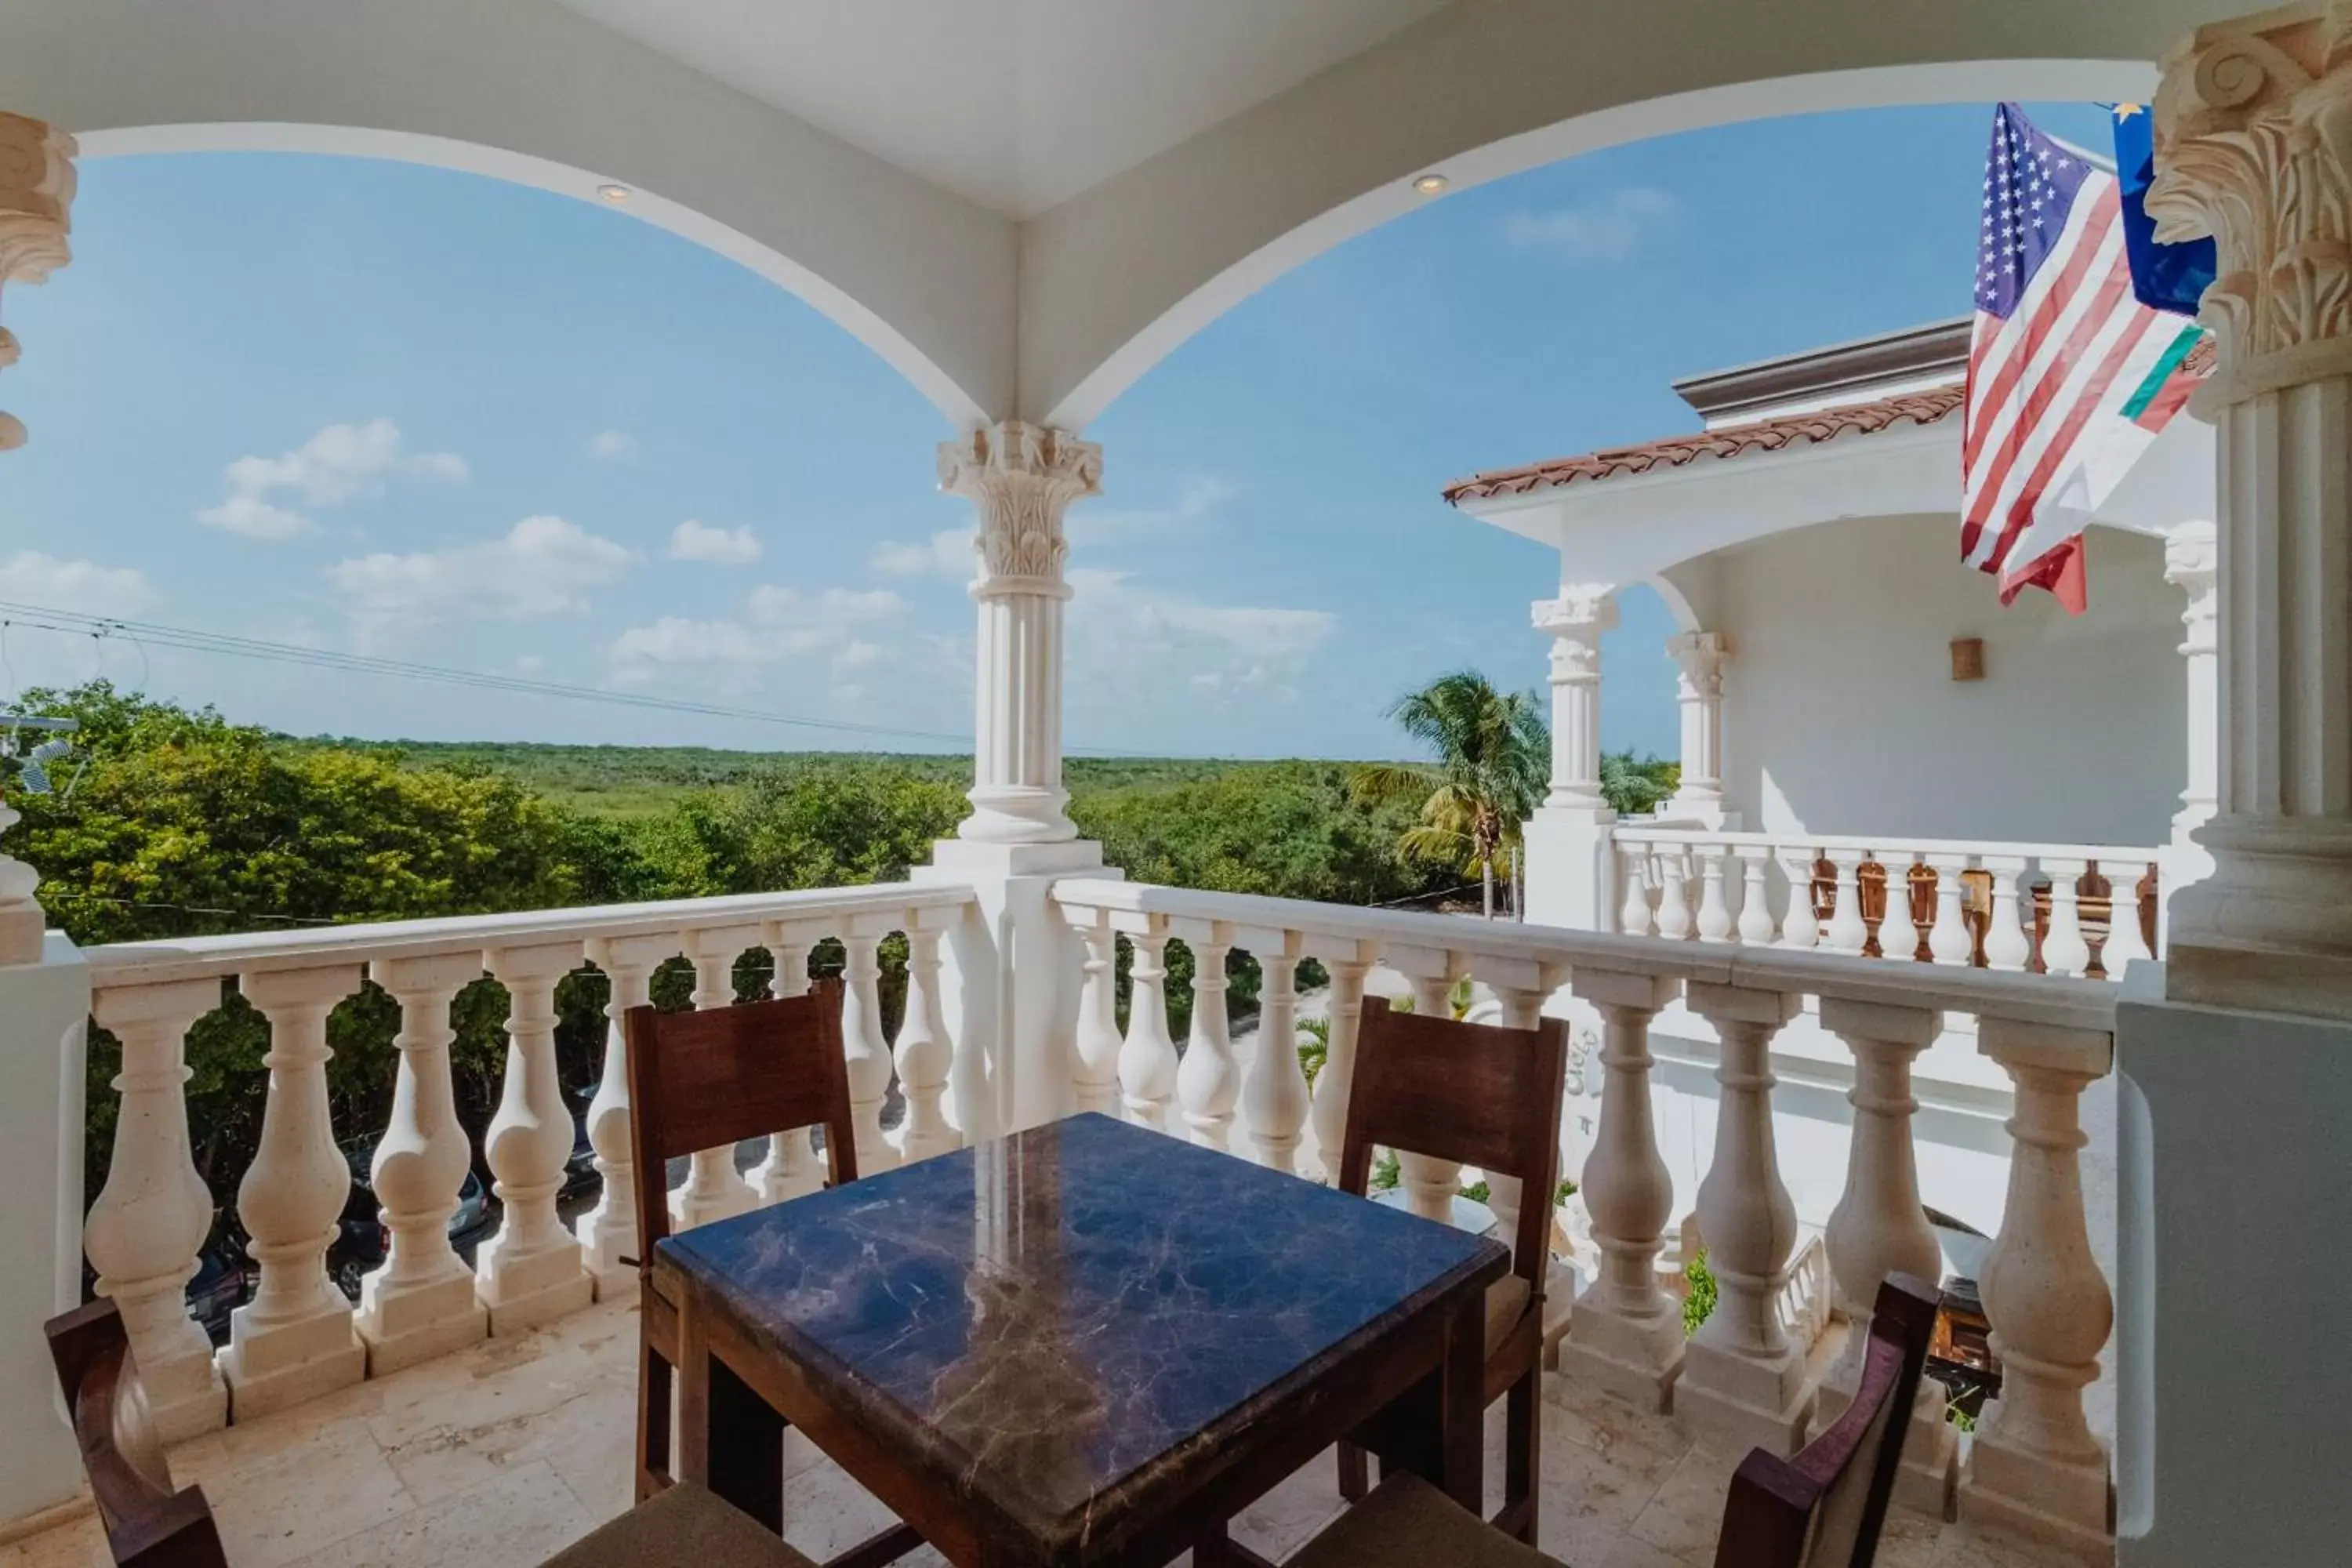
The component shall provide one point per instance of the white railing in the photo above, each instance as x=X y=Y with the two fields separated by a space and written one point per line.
x=299 y=1336
x=2039 y=906
x=1745 y=1374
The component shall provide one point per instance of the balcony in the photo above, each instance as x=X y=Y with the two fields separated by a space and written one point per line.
x=483 y=1412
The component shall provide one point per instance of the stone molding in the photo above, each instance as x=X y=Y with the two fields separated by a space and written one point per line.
x=36 y=192
x=1701 y=656
x=1022 y=478
x=2254 y=146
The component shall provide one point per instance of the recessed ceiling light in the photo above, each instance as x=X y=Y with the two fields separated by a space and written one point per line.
x=1430 y=184
x=616 y=194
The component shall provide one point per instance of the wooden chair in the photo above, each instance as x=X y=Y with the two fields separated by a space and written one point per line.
x=1488 y=1097
x=149 y=1525
x=704 y=1080
x=1823 y=1508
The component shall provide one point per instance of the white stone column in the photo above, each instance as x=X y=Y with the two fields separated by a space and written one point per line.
x=294 y=1340
x=419 y=1303
x=1208 y=1079
x=791 y=1169
x=1429 y=1183
x=1628 y=1332
x=144 y=1232
x=1574 y=622
x=922 y=1051
x=608 y=1232
x=2254 y=138
x=862 y=1041
x=1022 y=478
x=714 y=1189
x=1700 y=656
x=1147 y=1057
x=36 y=193
x=1743 y=1377
x=530 y=1272
x=1094 y=1068
x=2034 y=1465
x=1348 y=964
x=2192 y=562
x=1878 y=1227
x=1274 y=1095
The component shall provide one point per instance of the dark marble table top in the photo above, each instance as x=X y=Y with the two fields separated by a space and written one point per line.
x=1046 y=1323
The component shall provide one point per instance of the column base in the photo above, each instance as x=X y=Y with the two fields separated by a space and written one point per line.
x=2271 y=928
x=688 y=1209
x=1751 y=1402
x=523 y=1292
x=185 y=1395
x=417 y=1320
x=288 y=1363
x=1637 y=1359
x=2068 y=1505
x=604 y=1240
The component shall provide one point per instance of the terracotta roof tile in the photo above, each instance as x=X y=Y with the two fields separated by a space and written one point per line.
x=1729 y=441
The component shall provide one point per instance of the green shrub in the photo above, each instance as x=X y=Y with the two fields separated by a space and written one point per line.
x=1699 y=1300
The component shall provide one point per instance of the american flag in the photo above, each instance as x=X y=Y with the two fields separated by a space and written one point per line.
x=2070 y=376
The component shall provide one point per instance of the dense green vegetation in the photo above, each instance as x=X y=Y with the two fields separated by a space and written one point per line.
x=1493 y=752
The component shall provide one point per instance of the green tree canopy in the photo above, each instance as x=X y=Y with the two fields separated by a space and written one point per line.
x=1493 y=751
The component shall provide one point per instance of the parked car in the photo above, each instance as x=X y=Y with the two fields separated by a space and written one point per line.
x=363 y=1241
x=218 y=1286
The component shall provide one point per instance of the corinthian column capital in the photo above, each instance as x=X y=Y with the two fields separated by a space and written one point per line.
x=36 y=191
x=2254 y=146
x=1022 y=478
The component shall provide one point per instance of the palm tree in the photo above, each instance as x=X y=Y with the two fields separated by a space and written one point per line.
x=1637 y=787
x=1493 y=751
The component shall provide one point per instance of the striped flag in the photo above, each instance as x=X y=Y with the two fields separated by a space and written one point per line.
x=2070 y=376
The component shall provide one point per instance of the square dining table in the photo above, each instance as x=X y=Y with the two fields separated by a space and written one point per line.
x=1086 y=1343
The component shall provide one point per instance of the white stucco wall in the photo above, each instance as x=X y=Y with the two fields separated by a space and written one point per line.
x=1840 y=715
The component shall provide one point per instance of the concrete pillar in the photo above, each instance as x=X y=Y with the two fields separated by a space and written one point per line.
x=1570 y=871
x=1698 y=689
x=2192 y=562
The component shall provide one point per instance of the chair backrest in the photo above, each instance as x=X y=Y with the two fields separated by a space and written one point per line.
x=148 y=1524
x=1475 y=1093
x=706 y=1079
x=1825 y=1506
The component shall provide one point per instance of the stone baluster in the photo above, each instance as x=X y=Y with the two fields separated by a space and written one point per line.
x=1948 y=941
x=1799 y=928
x=2035 y=1465
x=36 y=194
x=1898 y=933
x=1714 y=908
x=293 y=1341
x=713 y=1189
x=1094 y=1070
x=1878 y=1227
x=1755 y=895
x=1273 y=1097
x=1429 y=1183
x=2006 y=946
x=1743 y=1377
x=2126 y=942
x=1348 y=964
x=1633 y=912
x=922 y=1051
x=1147 y=1057
x=1628 y=1333
x=2064 y=949
x=1208 y=1080
x=791 y=1169
x=1847 y=932
x=1674 y=922
x=607 y=1233
x=144 y=1232
x=420 y=1302
x=530 y=1272
x=862 y=1042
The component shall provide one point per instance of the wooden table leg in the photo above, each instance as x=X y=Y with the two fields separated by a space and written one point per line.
x=731 y=1440
x=1462 y=1413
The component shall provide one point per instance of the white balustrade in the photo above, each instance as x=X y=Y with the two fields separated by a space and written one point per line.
x=1347 y=962
x=1429 y=1183
x=1755 y=926
x=1948 y=941
x=1208 y=1080
x=294 y=1340
x=713 y=1189
x=153 y=1213
x=1147 y=1057
x=529 y=1272
x=607 y=1233
x=1714 y=909
x=1675 y=921
x=1633 y=871
x=1801 y=928
x=1274 y=1095
x=2126 y=942
x=1847 y=932
x=1094 y=1070
x=862 y=1042
x=2006 y=944
x=791 y=1169
x=922 y=1051
x=2064 y=949
x=1898 y=933
x=420 y=1302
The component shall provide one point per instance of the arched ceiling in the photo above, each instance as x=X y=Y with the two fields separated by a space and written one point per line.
x=1023 y=204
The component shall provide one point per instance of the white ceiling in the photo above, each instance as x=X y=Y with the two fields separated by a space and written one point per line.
x=1016 y=104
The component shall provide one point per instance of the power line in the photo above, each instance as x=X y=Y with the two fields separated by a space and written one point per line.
x=141 y=633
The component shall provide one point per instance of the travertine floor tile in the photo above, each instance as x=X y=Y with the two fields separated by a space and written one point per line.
x=513 y=1520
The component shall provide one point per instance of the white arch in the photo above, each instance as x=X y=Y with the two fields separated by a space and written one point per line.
x=526 y=90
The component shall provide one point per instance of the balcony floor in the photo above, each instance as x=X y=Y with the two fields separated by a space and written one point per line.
x=502 y=1455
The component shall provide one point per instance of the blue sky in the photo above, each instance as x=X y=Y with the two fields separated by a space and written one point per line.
x=404 y=411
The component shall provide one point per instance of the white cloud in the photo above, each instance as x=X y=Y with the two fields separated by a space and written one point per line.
x=779 y=624
x=1610 y=227
x=338 y=465
x=29 y=577
x=1089 y=525
x=542 y=567
x=1132 y=649
x=693 y=540
x=612 y=447
x=948 y=553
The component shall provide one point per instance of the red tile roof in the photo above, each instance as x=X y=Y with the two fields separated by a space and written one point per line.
x=1729 y=441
